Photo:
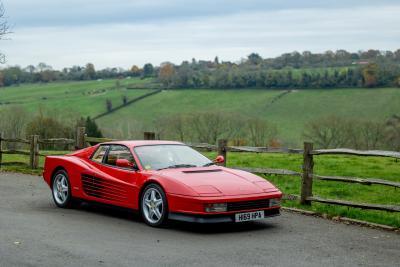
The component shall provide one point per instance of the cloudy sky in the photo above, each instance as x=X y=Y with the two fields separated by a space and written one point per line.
x=121 y=33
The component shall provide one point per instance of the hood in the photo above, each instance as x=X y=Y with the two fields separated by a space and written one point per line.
x=219 y=181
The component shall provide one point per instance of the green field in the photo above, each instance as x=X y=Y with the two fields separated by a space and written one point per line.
x=87 y=98
x=289 y=113
x=369 y=167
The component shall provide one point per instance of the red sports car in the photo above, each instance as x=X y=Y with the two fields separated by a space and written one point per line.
x=163 y=180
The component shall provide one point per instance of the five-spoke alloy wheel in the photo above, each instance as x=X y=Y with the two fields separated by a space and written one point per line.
x=61 y=189
x=154 y=207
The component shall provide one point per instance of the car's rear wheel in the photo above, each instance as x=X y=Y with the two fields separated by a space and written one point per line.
x=61 y=189
x=154 y=206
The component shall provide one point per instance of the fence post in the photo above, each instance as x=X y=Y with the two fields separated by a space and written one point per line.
x=80 y=137
x=149 y=136
x=306 y=178
x=1 y=148
x=222 y=144
x=34 y=152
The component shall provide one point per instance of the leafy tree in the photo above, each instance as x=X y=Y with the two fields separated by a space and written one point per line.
x=47 y=76
x=166 y=74
x=108 y=105
x=216 y=60
x=254 y=59
x=148 y=70
x=92 y=129
x=124 y=100
x=370 y=75
x=43 y=67
x=90 y=72
x=135 y=70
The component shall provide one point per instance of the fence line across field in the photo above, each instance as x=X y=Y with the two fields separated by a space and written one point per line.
x=307 y=174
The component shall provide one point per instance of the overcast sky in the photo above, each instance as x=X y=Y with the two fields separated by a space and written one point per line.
x=121 y=33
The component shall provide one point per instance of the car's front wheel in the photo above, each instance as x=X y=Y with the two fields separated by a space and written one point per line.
x=61 y=189
x=154 y=206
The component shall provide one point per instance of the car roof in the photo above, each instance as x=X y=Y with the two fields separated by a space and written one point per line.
x=135 y=143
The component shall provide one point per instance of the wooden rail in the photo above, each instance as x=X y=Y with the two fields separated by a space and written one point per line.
x=97 y=140
x=15 y=140
x=269 y=171
x=57 y=141
x=263 y=150
x=16 y=152
x=203 y=146
x=375 y=153
x=365 y=181
x=390 y=208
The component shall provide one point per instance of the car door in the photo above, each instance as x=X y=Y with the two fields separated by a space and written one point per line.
x=109 y=166
x=108 y=183
x=126 y=177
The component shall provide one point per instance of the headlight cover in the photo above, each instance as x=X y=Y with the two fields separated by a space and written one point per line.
x=274 y=202
x=215 y=207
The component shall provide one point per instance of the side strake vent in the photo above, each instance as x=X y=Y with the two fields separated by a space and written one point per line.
x=100 y=188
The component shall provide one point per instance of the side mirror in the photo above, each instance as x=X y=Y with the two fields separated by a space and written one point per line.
x=219 y=159
x=124 y=163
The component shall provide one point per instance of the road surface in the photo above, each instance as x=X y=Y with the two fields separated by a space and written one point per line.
x=33 y=232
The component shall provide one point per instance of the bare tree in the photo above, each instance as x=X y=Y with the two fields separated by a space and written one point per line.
x=177 y=126
x=208 y=126
x=260 y=132
x=4 y=29
x=334 y=132
x=12 y=123
x=326 y=132
x=393 y=133
x=373 y=134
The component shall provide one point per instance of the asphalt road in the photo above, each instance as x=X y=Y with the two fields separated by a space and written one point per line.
x=33 y=232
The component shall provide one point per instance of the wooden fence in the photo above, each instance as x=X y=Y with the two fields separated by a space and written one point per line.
x=33 y=151
x=307 y=174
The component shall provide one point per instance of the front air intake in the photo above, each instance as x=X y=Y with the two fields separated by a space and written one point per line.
x=248 y=205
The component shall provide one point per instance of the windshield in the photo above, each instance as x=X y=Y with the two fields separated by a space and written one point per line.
x=155 y=157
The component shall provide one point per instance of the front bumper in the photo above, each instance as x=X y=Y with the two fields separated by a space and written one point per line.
x=215 y=218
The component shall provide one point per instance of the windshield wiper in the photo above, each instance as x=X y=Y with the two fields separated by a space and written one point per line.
x=178 y=166
x=208 y=164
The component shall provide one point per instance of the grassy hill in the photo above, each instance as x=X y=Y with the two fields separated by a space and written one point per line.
x=290 y=112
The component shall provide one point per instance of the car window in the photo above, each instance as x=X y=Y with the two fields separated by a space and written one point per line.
x=99 y=154
x=153 y=157
x=118 y=152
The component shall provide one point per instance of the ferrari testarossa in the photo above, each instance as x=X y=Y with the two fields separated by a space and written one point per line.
x=162 y=180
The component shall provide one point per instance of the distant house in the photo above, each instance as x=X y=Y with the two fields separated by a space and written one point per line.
x=360 y=63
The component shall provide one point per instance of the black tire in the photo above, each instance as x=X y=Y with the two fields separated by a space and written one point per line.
x=68 y=201
x=144 y=211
